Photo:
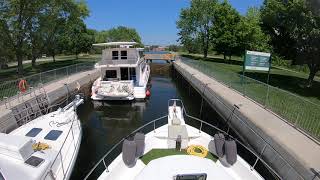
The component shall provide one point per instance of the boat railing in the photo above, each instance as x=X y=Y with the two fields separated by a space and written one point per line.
x=154 y=123
x=118 y=61
x=32 y=109
x=70 y=140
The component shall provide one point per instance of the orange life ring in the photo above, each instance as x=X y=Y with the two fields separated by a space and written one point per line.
x=23 y=85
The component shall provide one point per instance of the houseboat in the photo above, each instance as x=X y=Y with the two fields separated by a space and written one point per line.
x=124 y=72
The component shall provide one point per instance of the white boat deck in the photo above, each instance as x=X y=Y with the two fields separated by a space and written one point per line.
x=16 y=169
x=167 y=167
x=164 y=168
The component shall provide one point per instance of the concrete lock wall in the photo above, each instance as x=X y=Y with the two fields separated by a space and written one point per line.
x=276 y=155
x=56 y=91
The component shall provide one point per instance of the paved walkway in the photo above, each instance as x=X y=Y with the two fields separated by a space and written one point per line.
x=298 y=145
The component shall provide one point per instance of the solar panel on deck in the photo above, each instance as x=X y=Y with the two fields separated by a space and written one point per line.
x=34 y=161
x=34 y=132
x=53 y=135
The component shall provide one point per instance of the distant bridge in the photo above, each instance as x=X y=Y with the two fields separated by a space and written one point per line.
x=160 y=56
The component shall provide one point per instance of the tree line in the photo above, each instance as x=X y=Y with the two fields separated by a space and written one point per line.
x=29 y=29
x=288 y=29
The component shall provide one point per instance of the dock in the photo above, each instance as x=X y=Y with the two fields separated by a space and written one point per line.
x=291 y=153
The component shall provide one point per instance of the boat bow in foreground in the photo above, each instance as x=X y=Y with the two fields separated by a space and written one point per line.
x=177 y=150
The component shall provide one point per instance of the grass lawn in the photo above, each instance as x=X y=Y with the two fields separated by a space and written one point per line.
x=8 y=77
x=44 y=65
x=297 y=104
x=159 y=153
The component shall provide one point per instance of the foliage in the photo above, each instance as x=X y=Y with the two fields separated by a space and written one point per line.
x=219 y=24
x=174 y=48
x=120 y=33
x=77 y=38
x=294 y=27
x=224 y=32
x=195 y=23
x=29 y=26
x=250 y=34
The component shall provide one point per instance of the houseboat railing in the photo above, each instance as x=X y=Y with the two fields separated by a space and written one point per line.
x=117 y=61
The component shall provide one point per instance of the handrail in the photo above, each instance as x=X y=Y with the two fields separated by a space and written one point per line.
x=189 y=116
x=63 y=144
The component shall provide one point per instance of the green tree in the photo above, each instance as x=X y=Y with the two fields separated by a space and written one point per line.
x=195 y=23
x=224 y=32
x=295 y=25
x=30 y=25
x=250 y=34
x=15 y=19
x=101 y=37
x=77 y=38
x=120 y=33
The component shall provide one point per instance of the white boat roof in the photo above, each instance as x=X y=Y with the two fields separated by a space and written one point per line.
x=114 y=44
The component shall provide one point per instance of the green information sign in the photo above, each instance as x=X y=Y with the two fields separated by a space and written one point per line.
x=257 y=61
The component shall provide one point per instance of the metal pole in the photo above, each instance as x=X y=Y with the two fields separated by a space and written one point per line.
x=200 y=127
x=62 y=165
x=255 y=163
x=201 y=107
x=267 y=96
x=104 y=163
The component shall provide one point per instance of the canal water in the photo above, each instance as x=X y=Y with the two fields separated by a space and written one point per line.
x=106 y=124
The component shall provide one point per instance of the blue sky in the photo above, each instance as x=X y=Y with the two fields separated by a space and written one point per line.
x=155 y=20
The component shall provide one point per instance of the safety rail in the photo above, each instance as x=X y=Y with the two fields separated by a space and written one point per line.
x=34 y=110
x=299 y=112
x=118 y=61
x=9 y=90
x=154 y=122
x=75 y=142
x=286 y=169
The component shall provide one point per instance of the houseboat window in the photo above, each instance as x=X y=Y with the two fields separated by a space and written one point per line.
x=115 y=55
x=123 y=54
x=34 y=132
x=140 y=53
x=53 y=135
x=110 y=74
x=133 y=75
x=124 y=73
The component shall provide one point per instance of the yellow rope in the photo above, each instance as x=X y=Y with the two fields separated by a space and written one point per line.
x=40 y=146
x=192 y=150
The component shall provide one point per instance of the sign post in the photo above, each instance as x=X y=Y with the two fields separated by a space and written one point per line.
x=257 y=61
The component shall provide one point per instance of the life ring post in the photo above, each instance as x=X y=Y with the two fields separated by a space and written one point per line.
x=23 y=85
